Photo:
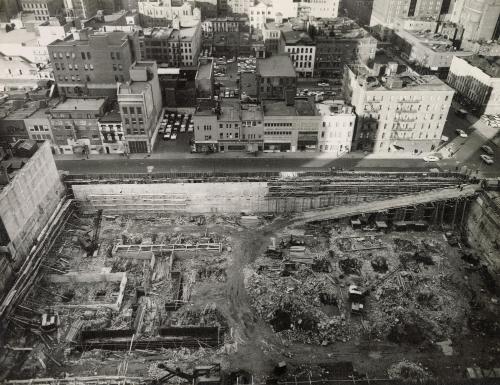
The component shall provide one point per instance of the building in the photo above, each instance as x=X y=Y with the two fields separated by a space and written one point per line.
x=258 y=15
x=271 y=35
x=140 y=103
x=397 y=109
x=239 y=6
x=339 y=42
x=168 y=46
x=223 y=24
x=24 y=43
x=38 y=125
x=477 y=79
x=276 y=78
x=17 y=72
x=287 y=8
x=112 y=135
x=51 y=30
x=30 y=190
x=318 y=8
x=12 y=124
x=430 y=53
x=90 y=63
x=43 y=9
x=359 y=10
x=204 y=80
x=8 y=10
x=385 y=12
x=161 y=13
x=75 y=126
x=80 y=9
x=302 y=51
x=291 y=127
x=480 y=19
x=337 y=127
x=126 y=21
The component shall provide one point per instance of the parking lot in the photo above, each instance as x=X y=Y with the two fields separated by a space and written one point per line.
x=175 y=133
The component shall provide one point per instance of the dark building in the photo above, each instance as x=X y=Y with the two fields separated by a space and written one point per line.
x=91 y=63
x=276 y=78
x=358 y=10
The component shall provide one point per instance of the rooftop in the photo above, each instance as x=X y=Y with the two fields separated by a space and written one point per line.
x=80 y=105
x=13 y=111
x=280 y=108
x=433 y=41
x=205 y=70
x=18 y=36
x=297 y=37
x=398 y=78
x=111 y=117
x=230 y=109
x=278 y=65
x=489 y=65
x=252 y=112
x=114 y=38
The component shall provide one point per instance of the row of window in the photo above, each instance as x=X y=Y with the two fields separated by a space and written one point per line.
x=34 y=5
x=300 y=50
x=132 y=110
x=134 y=121
x=135 y=131
x=278 y=132
x=277 y=124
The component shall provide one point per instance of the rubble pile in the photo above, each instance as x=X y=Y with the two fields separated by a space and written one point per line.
x=208 y=315
x=293 y=305
x=407 y=370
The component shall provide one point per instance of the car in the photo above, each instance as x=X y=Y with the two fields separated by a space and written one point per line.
x=183 y=128
x=461 y=133
x=166 y=136
x=323 y=84
x=173 y=136
x=487 y=159
x=190 y=128
x=431 y=158
x=487 y=149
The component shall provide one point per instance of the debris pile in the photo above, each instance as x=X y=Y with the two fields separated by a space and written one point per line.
x=407 y=370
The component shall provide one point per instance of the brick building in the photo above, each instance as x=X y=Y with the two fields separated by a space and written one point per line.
x=43 y=9
x=91 y=63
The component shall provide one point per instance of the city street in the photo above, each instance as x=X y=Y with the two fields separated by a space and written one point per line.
x=210 y=163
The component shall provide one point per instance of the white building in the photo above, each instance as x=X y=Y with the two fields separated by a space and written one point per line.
x=302 y=51
x=161 y=13
x=318 y=8
x=477 y=79
x=258 y=15
x=396 y=112
x=337 y=127
x=112 y=135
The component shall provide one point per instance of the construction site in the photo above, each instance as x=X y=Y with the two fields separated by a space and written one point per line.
x=331 y=277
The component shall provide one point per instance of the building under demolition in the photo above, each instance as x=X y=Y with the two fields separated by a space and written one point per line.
x=223 y=278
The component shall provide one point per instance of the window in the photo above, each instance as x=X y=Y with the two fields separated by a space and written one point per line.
x=83 y=55
x=139 y=110
x=127 y=122
x=125 y=110
x=132 y=110
x=112 y=55
x=118 y=55
x=114 y=68
x=88 y=55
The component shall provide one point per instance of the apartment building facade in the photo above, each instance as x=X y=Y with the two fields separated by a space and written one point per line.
x=396 y=112
x=140 y=105
x=112 y=134
x=385 y=12
x=80 y=9
x=302 y=51
x=337 y=127
x=91 y=63
x=43 y=9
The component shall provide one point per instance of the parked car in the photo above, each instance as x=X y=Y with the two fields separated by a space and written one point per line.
x=191 y=128
x=487 y=149
x=487 y=159
x=183 y=128
x=166 y=136
x=173 y=136
x=461 y=133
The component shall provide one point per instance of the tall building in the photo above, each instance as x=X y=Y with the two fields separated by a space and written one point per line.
x=80 y=9
x=174 y=47
x=90 y=63
x=43 y=9
x=397 y=111
x=140 y=104
x=386 y=11
x=29 y=194
x=480 y=19
x=258 y=15
x=477 y=79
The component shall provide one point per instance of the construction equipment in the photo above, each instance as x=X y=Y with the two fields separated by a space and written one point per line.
x=202 y=375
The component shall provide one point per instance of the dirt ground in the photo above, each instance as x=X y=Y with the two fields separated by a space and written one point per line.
x=431 y=297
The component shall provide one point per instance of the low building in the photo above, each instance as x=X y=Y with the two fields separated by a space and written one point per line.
x=161 y=13
x=204 y=81
x=38 y=125
x=302 y=51
x=397 y=109
x=291 y=128
x=223 y=24
x=75 y=126
x=271 y=35
x=318 y=8
x=477 y=79
x=112 y=135
x=276 y=78
x=430 y=53
x=24 y=43
x=337 y=127
x=12 y=124
x=140 y=104
x=174 y=47
x=16 y=72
